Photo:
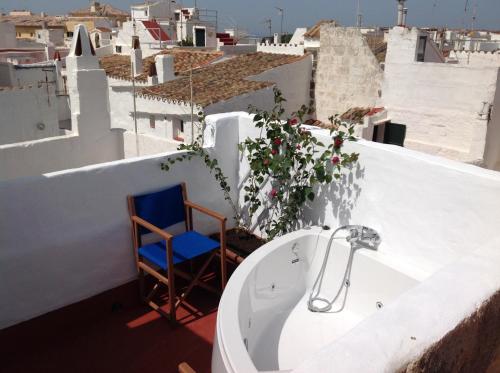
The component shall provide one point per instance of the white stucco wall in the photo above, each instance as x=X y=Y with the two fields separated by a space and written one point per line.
x=477 y=58
x=92 y=140
x=439 y=103
x=263 y=99
x=348 y=74
x=295 y=49
x=141 y=145
x=492 y=146
x=22 y=109
x=402 y=45
x=293 y=80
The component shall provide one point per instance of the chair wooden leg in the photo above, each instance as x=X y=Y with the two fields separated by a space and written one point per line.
x=171 y=281
x=195 y=280
x=141 y=283
x=223 y=263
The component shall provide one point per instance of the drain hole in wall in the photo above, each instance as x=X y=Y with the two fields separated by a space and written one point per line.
x=379 y=305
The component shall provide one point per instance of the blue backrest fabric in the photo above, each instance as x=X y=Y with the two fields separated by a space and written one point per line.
x=162 y=208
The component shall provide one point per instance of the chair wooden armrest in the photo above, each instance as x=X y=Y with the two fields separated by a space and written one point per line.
x=222 y=219
x=206 y=211
x=185 y=368
x=151 y=227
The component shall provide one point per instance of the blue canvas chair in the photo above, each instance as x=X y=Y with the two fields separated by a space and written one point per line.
x=152 y=213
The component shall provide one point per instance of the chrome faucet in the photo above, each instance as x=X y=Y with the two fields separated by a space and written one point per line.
x=359 y=234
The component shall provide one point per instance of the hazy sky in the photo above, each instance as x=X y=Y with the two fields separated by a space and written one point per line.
x=249 y=14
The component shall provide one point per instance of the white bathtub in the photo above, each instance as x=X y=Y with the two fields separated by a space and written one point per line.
x=263 y=323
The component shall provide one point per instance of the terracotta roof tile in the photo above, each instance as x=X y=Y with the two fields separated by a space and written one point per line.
x=314 y=32
x=118 y=66
x=35 y=21
x=356 y=114
x=378 y=46
x=104 y=10
x=220 y=81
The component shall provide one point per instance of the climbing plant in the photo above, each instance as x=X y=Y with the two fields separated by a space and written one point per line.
x=286 y=165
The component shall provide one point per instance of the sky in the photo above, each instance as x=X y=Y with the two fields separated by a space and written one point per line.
x=250 y=14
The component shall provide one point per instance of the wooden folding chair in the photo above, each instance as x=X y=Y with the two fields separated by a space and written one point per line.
x=152 y=213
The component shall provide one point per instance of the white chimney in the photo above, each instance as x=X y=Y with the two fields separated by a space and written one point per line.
x=405 y=13
x=401 y=5
x=153 y=75
x=136 y=56
x=165 y=68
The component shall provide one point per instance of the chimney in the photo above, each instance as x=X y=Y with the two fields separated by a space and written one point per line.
x=165 y=68
x=401 y=5
x=136 y=56
x=81 y=54
x=87 y=88
x=152 y=75
x=405 y=13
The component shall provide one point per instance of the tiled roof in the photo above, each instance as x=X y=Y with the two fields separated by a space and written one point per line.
x=314 y=31
x=35 y=21
x=104 y=10
x=378 y=46
x=220 y=81
x=102 y=29
x=155 y=30
x=118 y=66
x=356 y=114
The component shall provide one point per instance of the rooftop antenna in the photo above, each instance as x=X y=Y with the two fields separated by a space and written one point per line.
x=359 y=16
x=134 y=45
x=269 y=23
x=281 y=12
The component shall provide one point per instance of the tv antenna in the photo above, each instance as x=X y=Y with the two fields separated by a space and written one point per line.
x=269 y=24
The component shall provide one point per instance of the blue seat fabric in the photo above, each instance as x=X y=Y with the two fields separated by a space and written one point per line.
x=186 y=246
x=162 y=208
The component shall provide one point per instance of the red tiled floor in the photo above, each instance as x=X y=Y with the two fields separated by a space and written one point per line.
x=112 y=333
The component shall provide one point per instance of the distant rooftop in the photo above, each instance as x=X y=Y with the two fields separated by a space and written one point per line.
x=118 y=66
x=101 y=10
x=378 y=46
x=35 y=20
x=314 y=32
x=221 y=81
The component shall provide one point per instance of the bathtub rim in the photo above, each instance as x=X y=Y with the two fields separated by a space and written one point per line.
x=228 y=332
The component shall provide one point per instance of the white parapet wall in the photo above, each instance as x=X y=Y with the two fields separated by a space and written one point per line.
x=295 y=49
x=28 y=113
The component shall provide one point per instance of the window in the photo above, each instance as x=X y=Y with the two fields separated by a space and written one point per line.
x=181 y=127
x=69 y=34
x=422 y=41
x=177 y=16
x=146 y=12
x=38 y=36
x=152 y=122
x=118 y=49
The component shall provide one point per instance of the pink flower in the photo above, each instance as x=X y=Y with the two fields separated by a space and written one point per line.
x=274 y=152
x=298 y=147
x=273 y=193
x=338 y=142
x=266 y=162
x=335 y=160
x=294 y=121
x=277 y=141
